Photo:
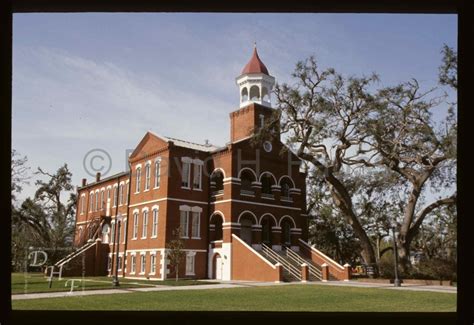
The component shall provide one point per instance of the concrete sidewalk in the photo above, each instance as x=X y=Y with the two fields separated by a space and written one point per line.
x=232 y=284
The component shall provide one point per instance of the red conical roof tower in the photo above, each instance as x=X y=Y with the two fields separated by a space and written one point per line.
x=255 y=65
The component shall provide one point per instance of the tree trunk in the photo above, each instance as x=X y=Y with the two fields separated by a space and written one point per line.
x=404 y=256
x=177 y=272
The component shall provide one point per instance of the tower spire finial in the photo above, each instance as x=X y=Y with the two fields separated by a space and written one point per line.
x=255 y=44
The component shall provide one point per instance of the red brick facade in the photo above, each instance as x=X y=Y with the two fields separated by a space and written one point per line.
x=219 y=196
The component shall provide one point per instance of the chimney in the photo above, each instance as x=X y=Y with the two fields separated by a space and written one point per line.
x=97 y=177
x=84 y=181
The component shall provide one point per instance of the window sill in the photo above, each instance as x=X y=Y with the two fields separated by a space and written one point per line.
x=146 y=190
x=192 y=274
x=197 y=189
x=184 y=237
x=195 y=237
x=141 y=273
x=154 y=237
x=268 y=198
x=134 y=238
x=185 y=188
x=136 y=192
x=142 y=237
x=156 y=187
x=132 y=273
x=152 y=273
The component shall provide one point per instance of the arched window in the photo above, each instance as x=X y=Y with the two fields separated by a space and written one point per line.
x=265 y=95
x=246 y=179
x=286 y=185
x=244 y=95
x=267 y=182
x=217 y=182
x=254 y=93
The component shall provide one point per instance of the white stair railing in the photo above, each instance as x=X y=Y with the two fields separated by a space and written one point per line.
x=291 y=269
x=313 y=270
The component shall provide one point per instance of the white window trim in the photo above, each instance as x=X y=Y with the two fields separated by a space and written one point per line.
x=152 y=263
x=83 y=198
x=124 y=222
x=135 y=224
x=142 y=265
x=193 y=256
x=157 y=164
x=155 y=229
x=188 y=161
x=200 y=176
x=138 y=184
x=147 y=176
x=133 y=263
x=145 y=225
x=198 y=224
x=116 y=193
x=120 y=264
x=186 y=230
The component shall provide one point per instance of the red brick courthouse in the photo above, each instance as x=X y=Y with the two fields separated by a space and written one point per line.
x=241 y=208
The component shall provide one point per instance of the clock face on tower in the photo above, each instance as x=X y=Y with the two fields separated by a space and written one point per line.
x=267 y=146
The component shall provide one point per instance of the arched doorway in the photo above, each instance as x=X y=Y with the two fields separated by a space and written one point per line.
x=267 y=223
x=286 y=225
x=217 y=265
x=246 y=222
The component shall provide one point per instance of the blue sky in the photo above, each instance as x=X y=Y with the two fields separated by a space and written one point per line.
x=85 y=81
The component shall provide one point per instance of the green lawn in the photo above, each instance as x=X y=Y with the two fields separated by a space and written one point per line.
x=36 y=282
x=271 y=298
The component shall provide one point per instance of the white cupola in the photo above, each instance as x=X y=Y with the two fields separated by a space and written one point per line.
x=255 y=83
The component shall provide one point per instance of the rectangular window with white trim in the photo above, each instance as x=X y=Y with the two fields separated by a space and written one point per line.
x=102 y=200
x=121 y=194
x=197 y=178
x=124 y=224
x=145 y=223
x=133 y=264
x=154 y=230
x=186 y=173
x=83 y=201
x=157 y=173
x=97 y=201
x=190 y=257
x=138 y=179
x=142 y=263
x=196 y=221
x=135 y=225
x=112 y=231
x=184 y=223
x=120 y=263
x=115 y=195
x=152 y=264
x=147 y=177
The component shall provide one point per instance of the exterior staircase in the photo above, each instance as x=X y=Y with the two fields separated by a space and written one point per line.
x=88 y=241
x=290 y=271
x=291 y=262
x=315 y=273
x=75 y=253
